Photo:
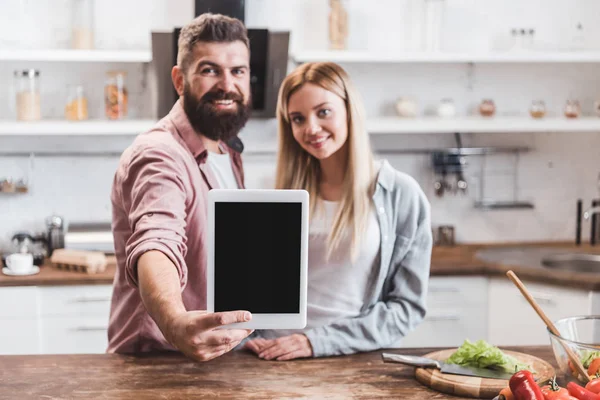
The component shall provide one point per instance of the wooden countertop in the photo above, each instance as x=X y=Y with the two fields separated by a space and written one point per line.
x=462 y=260
x=445 y=261
x=233 y=376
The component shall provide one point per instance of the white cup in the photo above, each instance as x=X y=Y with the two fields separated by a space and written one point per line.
x=19 y=263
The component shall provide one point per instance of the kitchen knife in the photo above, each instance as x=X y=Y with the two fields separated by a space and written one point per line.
x=453 y=369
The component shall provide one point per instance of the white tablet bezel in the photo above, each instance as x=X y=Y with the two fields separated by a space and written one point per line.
x=260 y=321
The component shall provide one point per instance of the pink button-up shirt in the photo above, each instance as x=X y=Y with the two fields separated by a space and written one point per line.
x=159 y=202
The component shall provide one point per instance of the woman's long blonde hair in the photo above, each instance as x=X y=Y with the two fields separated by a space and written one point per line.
x=297 y=169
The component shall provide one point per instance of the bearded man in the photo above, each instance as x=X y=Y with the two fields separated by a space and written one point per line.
x=159 y=200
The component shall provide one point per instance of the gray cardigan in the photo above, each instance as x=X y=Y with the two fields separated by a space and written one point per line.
x=396 y=296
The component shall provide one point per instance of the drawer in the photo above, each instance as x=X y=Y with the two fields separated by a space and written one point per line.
x=512 y=321
x=19 y=336
x=448 y=328
x=457 y=291
x=84 y=300
x=18 y=302
x=73 y=335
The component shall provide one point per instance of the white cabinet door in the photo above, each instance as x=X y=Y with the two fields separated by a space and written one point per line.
x=19 y=333
x=75 y=300
x=19 y=336
x=456 y=310
x=512 y=321
x=74 y=319
x=73 y=335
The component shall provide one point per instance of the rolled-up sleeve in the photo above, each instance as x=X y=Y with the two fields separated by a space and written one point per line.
x=154 y=195
x=402 y=304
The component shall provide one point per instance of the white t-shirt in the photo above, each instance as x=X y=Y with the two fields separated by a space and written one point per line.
x=220 y=164
x=336 y=287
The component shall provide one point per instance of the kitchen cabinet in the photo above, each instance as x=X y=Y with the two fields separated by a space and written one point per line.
x=456 y=310
x=54 y=319
x=512 y=321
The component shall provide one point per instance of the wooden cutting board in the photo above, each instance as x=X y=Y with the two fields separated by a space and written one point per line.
x=478 y=388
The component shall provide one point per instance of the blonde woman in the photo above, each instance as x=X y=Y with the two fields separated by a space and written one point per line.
x=370 y=234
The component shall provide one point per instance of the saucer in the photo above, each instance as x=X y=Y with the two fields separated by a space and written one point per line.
x=32 y=271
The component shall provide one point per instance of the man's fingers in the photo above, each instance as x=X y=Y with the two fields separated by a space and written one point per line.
x=207 y=354
x=214 y=320
x=252 y=346
x=224 y=336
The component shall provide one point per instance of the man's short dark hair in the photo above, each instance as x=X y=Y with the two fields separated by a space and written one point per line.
x=211 y=28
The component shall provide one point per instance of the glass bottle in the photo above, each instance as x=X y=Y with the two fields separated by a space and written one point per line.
x=487 y=108
x=76 y=108
x=116 y=96
x=27 y=86
x=537 y=109
x=572 y=109
x=446 y=108
x=82 y=24
x=338 y=25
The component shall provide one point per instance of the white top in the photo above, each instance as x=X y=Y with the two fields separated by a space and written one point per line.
x=336 y=287
x=220 y=164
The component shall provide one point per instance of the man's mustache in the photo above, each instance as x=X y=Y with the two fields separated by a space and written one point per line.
x=221 y=95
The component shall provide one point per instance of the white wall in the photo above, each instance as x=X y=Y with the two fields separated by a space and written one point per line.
x=560 y=169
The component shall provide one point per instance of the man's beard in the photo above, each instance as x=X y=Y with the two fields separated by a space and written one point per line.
x=212 y=123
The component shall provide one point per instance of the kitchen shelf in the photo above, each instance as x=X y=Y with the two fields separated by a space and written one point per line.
x=395 y=125
x=383 y=126
x=78 y=128
x=68 y=55
x=345 y=56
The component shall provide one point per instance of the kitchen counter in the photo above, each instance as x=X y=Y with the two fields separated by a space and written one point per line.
x=445 y=261
x=51 y=276
x=462 y=260
x=235 y=375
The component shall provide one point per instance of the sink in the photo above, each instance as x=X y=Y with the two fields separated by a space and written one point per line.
x=548 y=258
x=579 y=262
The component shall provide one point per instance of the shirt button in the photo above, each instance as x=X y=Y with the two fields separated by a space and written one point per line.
x=381 y=210
x=385 y=238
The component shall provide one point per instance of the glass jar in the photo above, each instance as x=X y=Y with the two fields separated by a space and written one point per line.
x=116 y=96
x=446 y=109
x=572 y=109
x=27 y=87
x=487 y=108
x=338 y=25
x=82 y=28
x=406 y=107
x=76 y=108
x=537 y=109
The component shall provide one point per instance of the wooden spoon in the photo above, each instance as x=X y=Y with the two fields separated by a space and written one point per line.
x=572 y=356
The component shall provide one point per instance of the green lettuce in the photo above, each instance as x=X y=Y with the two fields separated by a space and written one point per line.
x=483 y=355
x=587 y=356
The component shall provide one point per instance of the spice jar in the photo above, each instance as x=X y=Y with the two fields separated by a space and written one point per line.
x=406 y=107
x=115 y=95
x=487 y=108
x=77 y=107
x=537 y=109
x=27 y=87
x=82 y=32
x=446 y=108
x=572 y=109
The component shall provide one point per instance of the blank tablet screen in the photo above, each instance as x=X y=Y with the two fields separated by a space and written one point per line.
x=257 y=257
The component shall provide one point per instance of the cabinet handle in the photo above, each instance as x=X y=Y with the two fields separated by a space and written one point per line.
x=90 y=299
x=449 y=317
x=443 y=290
x=84 y=328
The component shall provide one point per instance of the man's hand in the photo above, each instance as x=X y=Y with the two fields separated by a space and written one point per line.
x=194 y=333
x=283 y=348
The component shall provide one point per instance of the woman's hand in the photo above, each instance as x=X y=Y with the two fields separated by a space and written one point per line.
x=283 y=348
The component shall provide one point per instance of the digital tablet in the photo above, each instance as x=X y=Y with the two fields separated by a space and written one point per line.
x=258 y=256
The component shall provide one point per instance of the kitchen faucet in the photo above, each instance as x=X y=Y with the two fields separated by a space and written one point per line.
x=587 y=214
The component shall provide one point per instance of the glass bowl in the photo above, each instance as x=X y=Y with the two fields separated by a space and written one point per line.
x=582 y=335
